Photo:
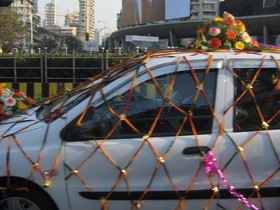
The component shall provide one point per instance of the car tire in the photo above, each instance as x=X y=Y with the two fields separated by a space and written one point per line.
x=23 y=196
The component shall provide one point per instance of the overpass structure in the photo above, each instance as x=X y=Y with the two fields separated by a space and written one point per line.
x=265 y=28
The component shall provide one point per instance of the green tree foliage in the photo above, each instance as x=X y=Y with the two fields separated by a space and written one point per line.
x=50 y=43
x=73 y=43
x=11 y=28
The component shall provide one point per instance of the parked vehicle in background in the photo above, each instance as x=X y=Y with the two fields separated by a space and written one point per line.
x=164 y=130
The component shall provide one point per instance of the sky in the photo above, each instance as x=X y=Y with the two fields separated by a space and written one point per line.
x=105 y=12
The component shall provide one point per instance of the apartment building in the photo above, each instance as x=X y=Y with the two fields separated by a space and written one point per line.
x=204 y=9
x=86 y=25
x=28 y=10
x=72 y=19
x=51 y=16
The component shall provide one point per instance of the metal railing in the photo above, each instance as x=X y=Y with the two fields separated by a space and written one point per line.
x=46 y=68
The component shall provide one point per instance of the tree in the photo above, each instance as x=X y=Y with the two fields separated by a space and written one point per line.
x=12 y=28
x=73 y=43
x=51 y=43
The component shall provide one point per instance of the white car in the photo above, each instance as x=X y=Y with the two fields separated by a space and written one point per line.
x=165 y=130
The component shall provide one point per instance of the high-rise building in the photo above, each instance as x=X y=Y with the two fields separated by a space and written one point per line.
x=51 y=17
x=204 y=9
x=135 y=12
x=86 y=26
x=72 y=19
x=28 y=10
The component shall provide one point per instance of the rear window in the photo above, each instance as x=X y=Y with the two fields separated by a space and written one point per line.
x=257 y=99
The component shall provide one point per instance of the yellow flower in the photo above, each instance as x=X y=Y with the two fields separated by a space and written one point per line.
x=197 y=43
x=207 y=23
x=218 y=19
x=239 y=45
x=2 y=85
x=22 y=106
x=241 y=28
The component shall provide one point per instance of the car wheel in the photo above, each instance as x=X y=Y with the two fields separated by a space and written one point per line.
x=16 y=203
x=28 y=199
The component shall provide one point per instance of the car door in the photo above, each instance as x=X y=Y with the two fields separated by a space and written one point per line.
x=251 y=157
x=141 y=142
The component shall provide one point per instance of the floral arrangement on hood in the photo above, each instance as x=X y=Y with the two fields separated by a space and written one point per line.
x=13 y=102
x=225 y=33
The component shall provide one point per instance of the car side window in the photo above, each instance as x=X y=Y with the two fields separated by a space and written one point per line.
x=257 y=99
x=171 y=104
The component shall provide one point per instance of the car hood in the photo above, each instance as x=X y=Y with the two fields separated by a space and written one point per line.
x=20 y=123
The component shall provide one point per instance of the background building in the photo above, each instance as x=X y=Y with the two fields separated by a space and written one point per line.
x=178 y=25
x=51 y=16
x=138 y=12
x=141 y=13
x=28 y=10
x=86 y=24
x=251 y=7
x=72 y=19
x=204 y=9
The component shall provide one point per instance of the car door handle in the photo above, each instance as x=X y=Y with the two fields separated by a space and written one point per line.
x=197 y=150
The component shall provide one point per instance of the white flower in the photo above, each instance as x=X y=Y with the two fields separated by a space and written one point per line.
x=246 y=37
x=8 y=110
x=7 y=92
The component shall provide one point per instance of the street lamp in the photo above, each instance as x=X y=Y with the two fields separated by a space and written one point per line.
x=100 y=21
x=97 y=36
x=31 y=33
x=103 y=37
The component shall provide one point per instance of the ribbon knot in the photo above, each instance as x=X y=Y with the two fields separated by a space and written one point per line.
x=211 y=167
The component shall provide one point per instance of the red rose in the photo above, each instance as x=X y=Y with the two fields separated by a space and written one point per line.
x=229 y=21
x=3 y=116
x=215 y=43
x=230 y=35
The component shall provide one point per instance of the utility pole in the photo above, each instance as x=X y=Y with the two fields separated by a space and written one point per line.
x=31 y=46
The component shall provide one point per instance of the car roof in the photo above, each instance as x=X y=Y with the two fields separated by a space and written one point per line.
x=161 y=57
x=218 y=54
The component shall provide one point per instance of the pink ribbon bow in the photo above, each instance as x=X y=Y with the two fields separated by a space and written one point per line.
x=211 y=167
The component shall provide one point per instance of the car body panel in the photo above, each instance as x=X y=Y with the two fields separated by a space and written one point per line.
x=146 y=170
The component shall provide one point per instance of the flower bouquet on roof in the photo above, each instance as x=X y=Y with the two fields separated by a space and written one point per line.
x=13 y=102
x=225 y=33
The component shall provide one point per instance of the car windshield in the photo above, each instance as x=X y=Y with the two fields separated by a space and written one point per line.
x=58 y=105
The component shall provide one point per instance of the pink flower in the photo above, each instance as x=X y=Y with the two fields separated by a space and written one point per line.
x=10 y=101
x=214 y=31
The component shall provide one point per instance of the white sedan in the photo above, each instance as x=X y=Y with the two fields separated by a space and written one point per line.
x=165 y=130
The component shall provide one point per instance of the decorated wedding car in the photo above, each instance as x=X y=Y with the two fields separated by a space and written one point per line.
x=197 y=128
